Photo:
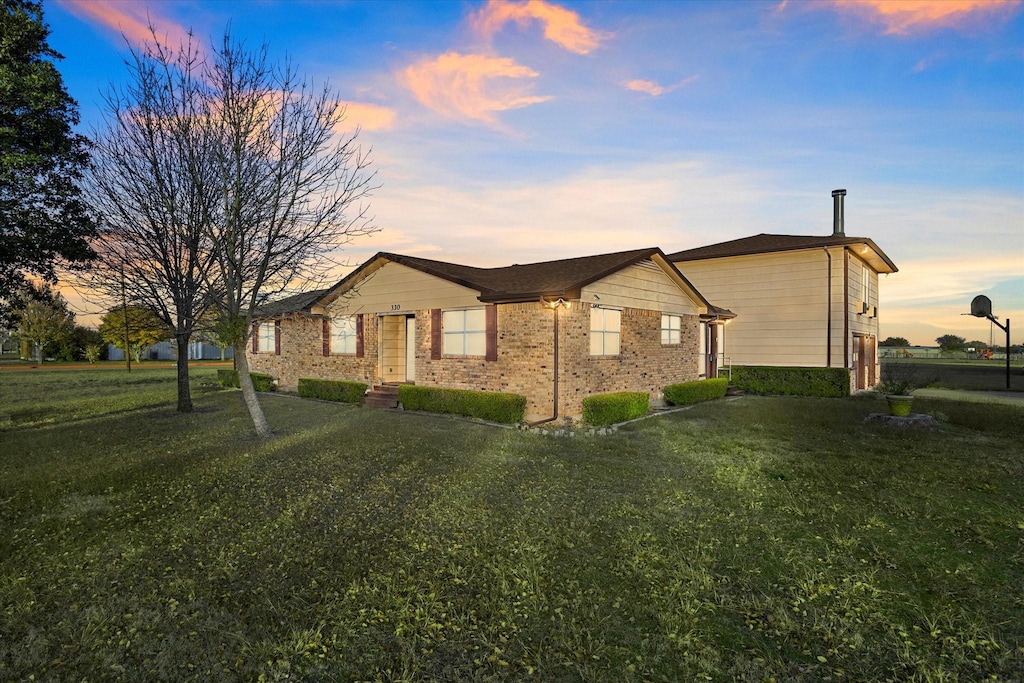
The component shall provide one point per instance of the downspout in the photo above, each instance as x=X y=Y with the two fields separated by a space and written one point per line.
x=846 y=307
x=554 y=408
x=828 y=305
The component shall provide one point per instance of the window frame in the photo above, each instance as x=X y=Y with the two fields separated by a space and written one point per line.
x=678 y=329
x=457 y=332
x=340 y=339
x=266 y=337
x=604 y=333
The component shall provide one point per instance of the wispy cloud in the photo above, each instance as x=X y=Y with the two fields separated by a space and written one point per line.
x=561 y=26
x=656 y=90
x=471 y=86
x=130 y=19
x=903 y=17
x=369 y=116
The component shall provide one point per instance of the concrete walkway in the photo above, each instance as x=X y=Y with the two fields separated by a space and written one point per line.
x=1012 y=398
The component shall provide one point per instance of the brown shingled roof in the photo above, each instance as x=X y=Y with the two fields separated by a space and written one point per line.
x=296 y=303
x=526 y=282
x=766 y=244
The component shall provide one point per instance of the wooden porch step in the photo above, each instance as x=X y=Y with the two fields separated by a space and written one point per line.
x=382 y=396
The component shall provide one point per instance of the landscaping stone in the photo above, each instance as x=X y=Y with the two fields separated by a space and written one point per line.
x=916 y=420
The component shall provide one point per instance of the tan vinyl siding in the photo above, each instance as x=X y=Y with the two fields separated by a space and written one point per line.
x=395 y=287
x=780 y=301
x=644 y=286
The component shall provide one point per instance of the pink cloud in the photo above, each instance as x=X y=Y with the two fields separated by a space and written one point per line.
x=131 y=19
x=369 y=116
x=561 y=26
x=654 y=89
x=902 y=17
x=470 y=86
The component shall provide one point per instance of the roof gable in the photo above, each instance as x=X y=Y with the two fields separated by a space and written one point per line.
x=765 y=243
x=520 y=282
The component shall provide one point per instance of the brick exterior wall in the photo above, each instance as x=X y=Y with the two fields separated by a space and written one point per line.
x=302 y=355
x=525 y=361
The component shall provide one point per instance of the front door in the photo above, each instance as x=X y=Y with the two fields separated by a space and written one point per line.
x=398 y=348
x=410 y=349
x=864 y=362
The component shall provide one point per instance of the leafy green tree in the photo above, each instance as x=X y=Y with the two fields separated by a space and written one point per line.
x=136 y=324
x=894 y=341
x=43 y=220
x=44 y=322
x=950 y=342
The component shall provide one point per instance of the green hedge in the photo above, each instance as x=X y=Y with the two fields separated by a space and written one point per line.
x=260 y=382
x=332 y=390
x=493 y=406
x=606 y=409
x=694 y=392
x=824 y=382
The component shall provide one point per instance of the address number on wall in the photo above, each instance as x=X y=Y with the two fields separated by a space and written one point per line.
x=396 y=307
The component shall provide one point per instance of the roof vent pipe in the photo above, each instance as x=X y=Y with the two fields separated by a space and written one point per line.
x=838 y=220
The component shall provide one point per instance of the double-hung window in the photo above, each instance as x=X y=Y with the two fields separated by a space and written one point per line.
x=605 y=331
x=465 y=332
x=671 y=329
x=343 y=334
x=267 y=337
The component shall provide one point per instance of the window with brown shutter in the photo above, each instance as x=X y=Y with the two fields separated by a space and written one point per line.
x=277 y=337
x=435 y=334
x=326 y=333
x=359 y=335
x=492 y=333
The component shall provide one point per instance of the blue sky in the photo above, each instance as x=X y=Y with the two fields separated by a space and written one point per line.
x=512 y=131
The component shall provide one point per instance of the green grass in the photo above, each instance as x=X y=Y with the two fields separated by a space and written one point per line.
x=738 y=540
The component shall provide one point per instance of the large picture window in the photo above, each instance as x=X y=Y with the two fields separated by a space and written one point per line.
x=267 y=337
x=465 y=332
x=671 y=329
x=605 y=331
x=343 y=334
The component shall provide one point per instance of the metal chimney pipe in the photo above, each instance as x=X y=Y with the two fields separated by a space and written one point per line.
x=838 y=219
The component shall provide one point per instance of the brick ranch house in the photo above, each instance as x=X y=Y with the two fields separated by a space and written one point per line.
x=555 y=332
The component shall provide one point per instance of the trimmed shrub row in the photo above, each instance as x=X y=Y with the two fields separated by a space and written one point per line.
x=229 y=378
x=695 y=392
x=493 y=406
x=606 y=409
x=345 y=391
x=822 y=382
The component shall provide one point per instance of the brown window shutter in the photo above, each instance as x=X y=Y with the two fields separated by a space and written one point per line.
x=277 y=337
x=359 y=335
x=327 y=337
x=435 y=334
x=256 y=338
x=491 y=316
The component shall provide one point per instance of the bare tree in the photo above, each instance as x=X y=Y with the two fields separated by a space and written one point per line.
x=294 y=189
x=153 y=182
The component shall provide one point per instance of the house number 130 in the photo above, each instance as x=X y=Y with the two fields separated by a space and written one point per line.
x=396 y=307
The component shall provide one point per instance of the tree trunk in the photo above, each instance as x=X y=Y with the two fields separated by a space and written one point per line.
x=252 y=402
x=184 y=390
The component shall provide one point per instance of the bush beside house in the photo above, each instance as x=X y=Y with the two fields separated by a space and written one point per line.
x=688 y=393
x=820 y=382
x=606 y=409
x=344 y=391
x=229 y=378
x=493 y=406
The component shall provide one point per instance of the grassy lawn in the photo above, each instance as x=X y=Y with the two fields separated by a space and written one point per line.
x=747 y=539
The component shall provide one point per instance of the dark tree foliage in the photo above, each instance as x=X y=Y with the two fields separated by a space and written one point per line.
x=950 y=342
x=43 y=220
x=894 y=341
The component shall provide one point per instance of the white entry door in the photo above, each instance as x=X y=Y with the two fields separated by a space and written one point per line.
x=410 y=349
